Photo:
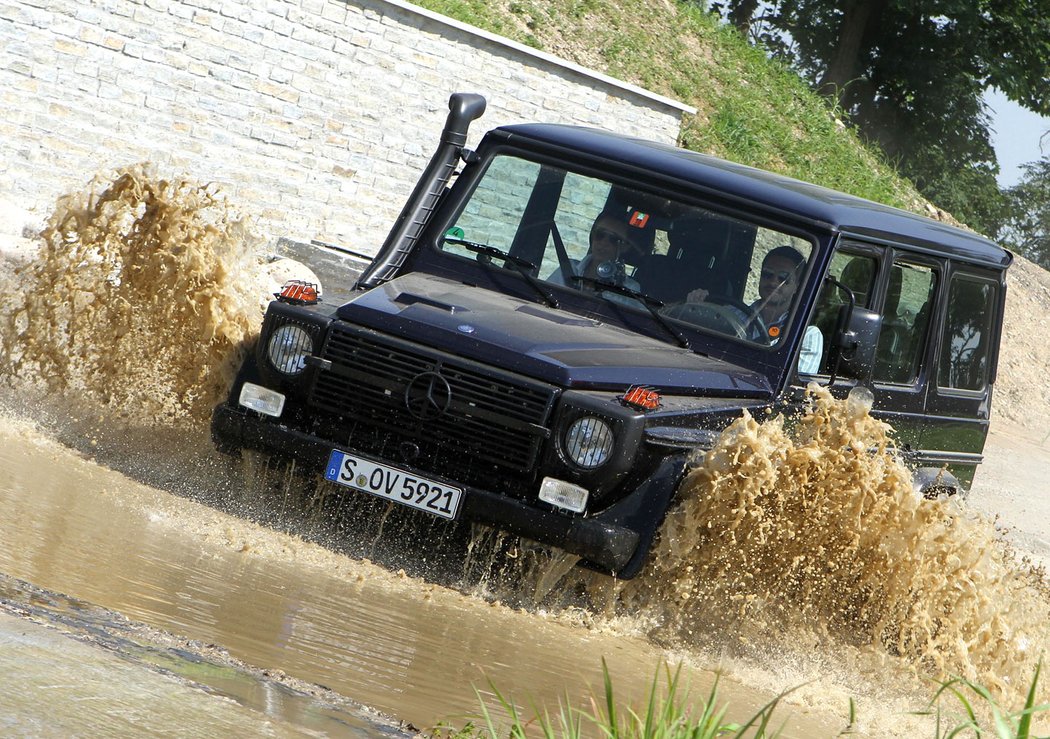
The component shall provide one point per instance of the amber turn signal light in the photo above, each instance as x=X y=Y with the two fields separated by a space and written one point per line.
x=641 y=398
x=298 y=292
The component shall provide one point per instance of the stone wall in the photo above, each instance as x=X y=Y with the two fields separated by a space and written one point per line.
x=315 y=116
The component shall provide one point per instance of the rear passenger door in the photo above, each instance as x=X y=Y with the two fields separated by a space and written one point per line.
x=958 y=405
x=906 y=298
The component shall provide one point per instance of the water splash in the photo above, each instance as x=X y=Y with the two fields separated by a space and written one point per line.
x=141 y=298
x=812 y=526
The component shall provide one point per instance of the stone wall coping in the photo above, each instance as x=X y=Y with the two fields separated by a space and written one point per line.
x=541 y=55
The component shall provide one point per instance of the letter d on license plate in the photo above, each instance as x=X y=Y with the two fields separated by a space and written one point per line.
x=393 y=484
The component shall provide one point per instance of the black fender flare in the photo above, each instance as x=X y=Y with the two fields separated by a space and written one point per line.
x=644 y=509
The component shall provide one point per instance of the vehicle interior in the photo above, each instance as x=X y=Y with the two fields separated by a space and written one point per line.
x=693 y=264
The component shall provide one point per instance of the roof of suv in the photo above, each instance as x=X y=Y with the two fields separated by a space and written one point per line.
x=803 y=200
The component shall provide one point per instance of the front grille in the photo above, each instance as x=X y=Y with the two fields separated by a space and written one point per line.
x=490 y=435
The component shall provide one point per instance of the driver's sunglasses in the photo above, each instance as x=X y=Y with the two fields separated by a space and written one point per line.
x=780 y=276
x=612 y=237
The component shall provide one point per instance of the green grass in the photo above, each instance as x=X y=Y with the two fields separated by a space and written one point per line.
x=984 y=714
x=666 y=715
x=750 y=109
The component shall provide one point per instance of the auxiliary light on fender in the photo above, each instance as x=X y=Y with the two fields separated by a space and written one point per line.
x=641 y=398
x=298 y=292
x=564 y=494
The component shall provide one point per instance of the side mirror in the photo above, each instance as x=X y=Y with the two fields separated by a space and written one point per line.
x=855 y=342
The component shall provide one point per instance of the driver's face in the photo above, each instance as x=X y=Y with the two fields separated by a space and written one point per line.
x=777 y=281
x=609 y=237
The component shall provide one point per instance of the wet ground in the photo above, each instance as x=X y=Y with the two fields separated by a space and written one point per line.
x=72 y=669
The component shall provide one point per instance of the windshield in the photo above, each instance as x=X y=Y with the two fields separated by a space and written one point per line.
x=706 y=270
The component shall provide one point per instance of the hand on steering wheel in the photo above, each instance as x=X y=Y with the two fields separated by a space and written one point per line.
x=721 y=313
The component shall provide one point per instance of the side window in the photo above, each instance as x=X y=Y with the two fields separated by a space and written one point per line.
x=905 y=323
x=966 y=346
x=857 y=273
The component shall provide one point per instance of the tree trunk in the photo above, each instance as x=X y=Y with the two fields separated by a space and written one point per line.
x=741 y=14
x=844 y=65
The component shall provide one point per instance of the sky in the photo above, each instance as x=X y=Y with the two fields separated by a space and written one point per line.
x=1015 y=136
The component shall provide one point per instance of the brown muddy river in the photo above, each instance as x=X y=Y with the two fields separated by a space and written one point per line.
x=151 y=586
x=412 y=649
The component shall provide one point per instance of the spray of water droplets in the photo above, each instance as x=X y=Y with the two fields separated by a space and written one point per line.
x=141 y=297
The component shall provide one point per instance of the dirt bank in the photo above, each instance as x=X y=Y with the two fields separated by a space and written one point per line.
x=1022 y=394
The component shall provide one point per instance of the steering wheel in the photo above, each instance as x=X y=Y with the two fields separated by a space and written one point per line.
x=721 y=313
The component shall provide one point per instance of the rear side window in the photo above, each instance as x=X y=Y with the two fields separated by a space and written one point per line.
x=906 y=318
x=966 y=349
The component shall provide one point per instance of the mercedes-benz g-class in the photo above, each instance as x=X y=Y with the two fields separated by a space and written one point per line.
x=558 y=319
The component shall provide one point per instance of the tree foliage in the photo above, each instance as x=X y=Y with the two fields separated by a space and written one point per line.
x=911 y=74
x=1027 y=227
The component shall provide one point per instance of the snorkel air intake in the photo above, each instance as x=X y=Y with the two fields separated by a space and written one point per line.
x=464 y=107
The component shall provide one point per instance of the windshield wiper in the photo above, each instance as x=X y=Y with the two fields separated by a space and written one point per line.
x=524 y=267
x=651 y=304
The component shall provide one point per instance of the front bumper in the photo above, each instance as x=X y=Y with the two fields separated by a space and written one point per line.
x=602 y=540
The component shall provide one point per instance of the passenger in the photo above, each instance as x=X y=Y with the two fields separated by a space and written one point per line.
x=610 y=241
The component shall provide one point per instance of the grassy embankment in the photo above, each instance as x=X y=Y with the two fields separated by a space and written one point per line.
x=750 y=110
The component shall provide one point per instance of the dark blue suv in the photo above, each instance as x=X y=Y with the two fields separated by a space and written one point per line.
x=558 y=320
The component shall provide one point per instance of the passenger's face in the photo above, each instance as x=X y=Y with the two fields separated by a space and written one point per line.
x=778 y=280
x=609 y=238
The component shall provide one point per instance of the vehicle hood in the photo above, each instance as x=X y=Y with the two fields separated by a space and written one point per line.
x=554 y=345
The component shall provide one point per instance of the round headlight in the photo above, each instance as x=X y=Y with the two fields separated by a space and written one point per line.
x=288 y=348
x=589 y=442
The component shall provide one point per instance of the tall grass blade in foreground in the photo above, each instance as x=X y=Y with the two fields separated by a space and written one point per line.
x=667 y=718
x=972 y=697
x=663 y=718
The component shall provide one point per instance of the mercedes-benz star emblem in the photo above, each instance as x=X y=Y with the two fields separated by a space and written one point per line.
x=428 y=396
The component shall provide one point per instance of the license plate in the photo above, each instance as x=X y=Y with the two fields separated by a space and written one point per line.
x=393 y=484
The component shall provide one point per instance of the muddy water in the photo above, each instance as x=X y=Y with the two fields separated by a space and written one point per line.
x=818 y=524
x=800 y=558
x=406 y=647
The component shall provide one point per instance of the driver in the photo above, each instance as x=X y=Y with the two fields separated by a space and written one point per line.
x=779 y=278
x=777 y=283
